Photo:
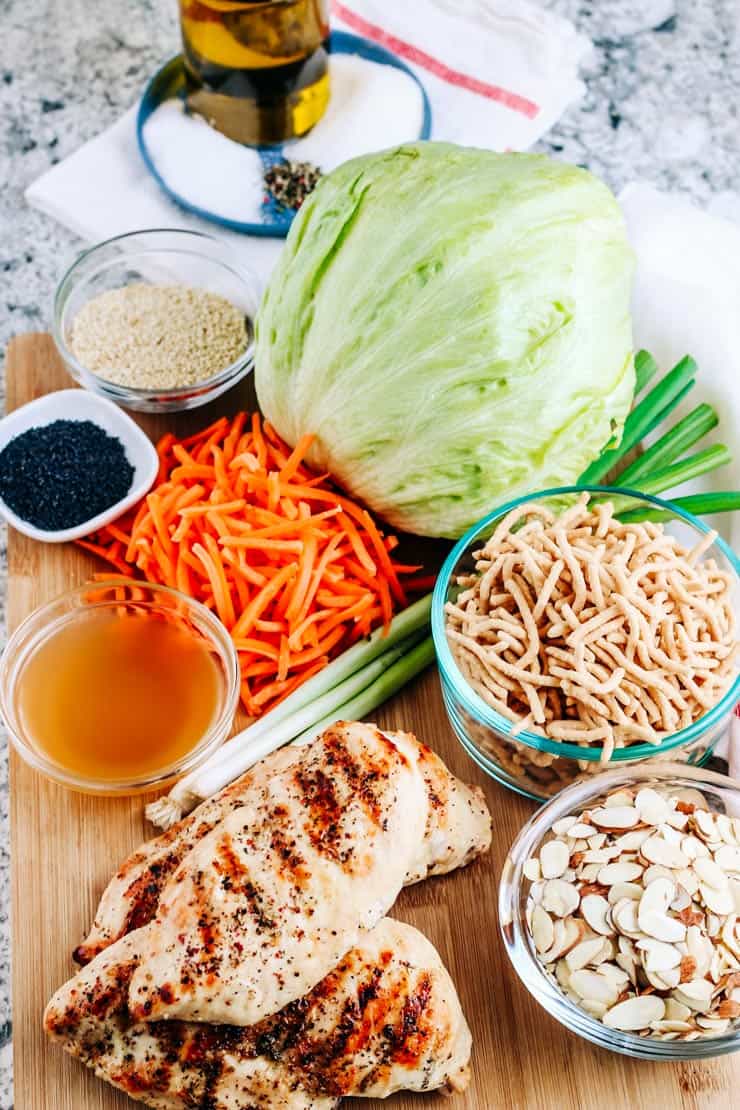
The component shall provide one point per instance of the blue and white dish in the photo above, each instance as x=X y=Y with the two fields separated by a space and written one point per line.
x=192 y=163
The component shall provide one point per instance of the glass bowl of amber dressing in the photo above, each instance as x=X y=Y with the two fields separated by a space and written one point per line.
x=118 y=687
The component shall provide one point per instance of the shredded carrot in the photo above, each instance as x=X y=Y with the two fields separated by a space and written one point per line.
x=295 y=570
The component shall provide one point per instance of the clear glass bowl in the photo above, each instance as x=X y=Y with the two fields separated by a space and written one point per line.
x=531 y=764
x=722 y=795
x=159 y=257
x=138 y=597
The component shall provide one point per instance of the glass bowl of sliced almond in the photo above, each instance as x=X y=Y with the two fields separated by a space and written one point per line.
x=619 y=906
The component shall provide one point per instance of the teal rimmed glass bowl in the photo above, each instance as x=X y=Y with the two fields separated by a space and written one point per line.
x=534 y=765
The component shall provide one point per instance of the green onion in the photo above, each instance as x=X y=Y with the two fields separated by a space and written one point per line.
x=700 y=504
x=417 y=660
x=671 y=445
x=377 y=662
x=650 y=411
x=645 y=368
x=686 y=469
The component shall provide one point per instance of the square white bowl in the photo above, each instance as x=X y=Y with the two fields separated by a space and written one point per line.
x=79 y=404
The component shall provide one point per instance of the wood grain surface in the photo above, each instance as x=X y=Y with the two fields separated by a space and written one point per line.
x=65 y=847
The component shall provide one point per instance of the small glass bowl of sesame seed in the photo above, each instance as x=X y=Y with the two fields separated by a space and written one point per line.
x=157 y=321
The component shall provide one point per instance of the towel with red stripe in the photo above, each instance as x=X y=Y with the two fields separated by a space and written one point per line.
x=498 y=73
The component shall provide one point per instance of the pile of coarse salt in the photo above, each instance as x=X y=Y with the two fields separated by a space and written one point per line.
x=372 y=106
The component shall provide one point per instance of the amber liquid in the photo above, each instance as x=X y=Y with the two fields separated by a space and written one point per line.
x=119 y=697
x=257 y=70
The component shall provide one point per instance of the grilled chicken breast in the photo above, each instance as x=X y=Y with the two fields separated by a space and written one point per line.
x=455 y=826
x=387 y=1017
x=266 y=904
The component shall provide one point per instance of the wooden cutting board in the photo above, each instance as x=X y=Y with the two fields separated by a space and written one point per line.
x=65 y=847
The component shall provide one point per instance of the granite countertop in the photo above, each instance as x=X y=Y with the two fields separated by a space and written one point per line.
x=662 y=102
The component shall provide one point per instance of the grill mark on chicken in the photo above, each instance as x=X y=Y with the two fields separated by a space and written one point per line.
x=323 y=792
x=292 y=863
x=144 y=892
x=236 y=877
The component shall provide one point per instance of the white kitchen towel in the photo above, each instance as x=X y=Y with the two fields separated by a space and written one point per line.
x=498 y=74
x=686 y=301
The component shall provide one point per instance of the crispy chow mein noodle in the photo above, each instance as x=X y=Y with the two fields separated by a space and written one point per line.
x=583 y=629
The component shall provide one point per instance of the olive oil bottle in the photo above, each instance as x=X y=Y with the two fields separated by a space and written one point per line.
x=257 y=70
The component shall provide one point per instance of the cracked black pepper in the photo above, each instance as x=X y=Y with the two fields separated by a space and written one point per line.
x=61 y=474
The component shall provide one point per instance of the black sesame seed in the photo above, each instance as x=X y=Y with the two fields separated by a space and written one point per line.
x=64 y=473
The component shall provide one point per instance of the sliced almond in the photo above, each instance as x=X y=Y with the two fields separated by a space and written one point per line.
x=671 y=1026
x=677 y=820
x=615 y=817
x=700 y=948
x=592 y=985
x=619 y=873
x=727 y=857
x=710 y=873
x=731 y=935
x=667 y=831
x=536 y=891
x=543 y=931
x=663 y=980
x=597 y=841
x=717 y=966
x=624 y=890
x=554 y=859
x=655 y=871
x=692 y=847
x=560 y=898
x=631 y=841
x=618 y=798
x=566 y=934
x=600 y=855
x=562 y=974
x=720 y=902
x=591 y=1006
x=629 y=965
x=615 y=975
x=658 y=850
x=676 y=1011
x=563 y=825
x=728 y=828
x=658 y=896
x=705 y=825
x=595 y=910
x=658 y=956
x=579 y=831
x=589 y=871
x=662 y=927
x=652 y=806
x=624 y=916
x=635 y=1013
x=729 y=1009
x=697 y=994
x=531 y=869
x=688 y=879
x=713 y=1025
x=585 y=953
x=682 y=899
x=712 y=924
